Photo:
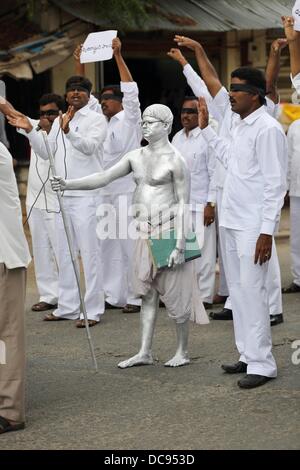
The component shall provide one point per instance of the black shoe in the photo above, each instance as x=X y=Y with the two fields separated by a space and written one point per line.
x=237 y=368
x=207 y=305
x=253 y=380
x=276 y=319
x=111 y=307
x=225 y=314
x=292 y=289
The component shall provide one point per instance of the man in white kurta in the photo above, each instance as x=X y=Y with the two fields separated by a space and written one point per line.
x=121 y=107
x=201 y=164
x=41 y=207
x=14 y=259
x=219 y=107
x=77 y=144
x=255 y=185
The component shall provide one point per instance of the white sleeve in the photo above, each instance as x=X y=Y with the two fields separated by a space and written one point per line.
x=89 y=142
x=94 y=104
x=296 y=82
x=272 y=143
x=37 y=142
x=217 y=144
x=131 y=103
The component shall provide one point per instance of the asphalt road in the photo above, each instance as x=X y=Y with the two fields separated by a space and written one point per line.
x=69 y=406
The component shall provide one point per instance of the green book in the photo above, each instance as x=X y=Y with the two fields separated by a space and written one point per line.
x=161 y=247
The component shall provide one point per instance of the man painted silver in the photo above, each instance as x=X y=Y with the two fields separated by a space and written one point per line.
x=162 y=187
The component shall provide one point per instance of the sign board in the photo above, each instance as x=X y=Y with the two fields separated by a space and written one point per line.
x=98 y=47
x=296 y=15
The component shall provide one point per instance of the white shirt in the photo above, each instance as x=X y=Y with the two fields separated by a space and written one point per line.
x=124 y=135
x=201 y=164
x=296 y=82
x=78 y=153
x=39 y=172
x=294 y=158
x=228 y=122
x=256 y=161
x=14 y=252
x=199 y=88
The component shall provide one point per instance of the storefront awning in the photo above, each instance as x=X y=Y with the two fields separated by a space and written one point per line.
x=192 y=15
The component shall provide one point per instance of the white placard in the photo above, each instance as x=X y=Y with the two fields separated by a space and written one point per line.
x=98 y=47
x=296 y=15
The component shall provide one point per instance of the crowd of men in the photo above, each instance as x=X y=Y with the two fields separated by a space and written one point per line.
x=240 y=166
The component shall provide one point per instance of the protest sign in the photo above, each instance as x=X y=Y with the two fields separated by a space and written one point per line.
x=98 y=47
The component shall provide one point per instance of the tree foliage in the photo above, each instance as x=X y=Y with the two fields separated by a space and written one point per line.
x=126 y=14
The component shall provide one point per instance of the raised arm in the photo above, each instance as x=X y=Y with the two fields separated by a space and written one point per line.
x=207 y=70
x=219 y=146
x=79 y=67
x=273 y=67
x=94 y=181
x=293 y=38
x=125 y=75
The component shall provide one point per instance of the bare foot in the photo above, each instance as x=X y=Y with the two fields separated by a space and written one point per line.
x=137 y=360
x=178 y=360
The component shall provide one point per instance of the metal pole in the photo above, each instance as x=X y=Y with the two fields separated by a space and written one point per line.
x=66 y=227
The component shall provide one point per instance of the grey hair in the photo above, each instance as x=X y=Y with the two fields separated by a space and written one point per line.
x=161 y=113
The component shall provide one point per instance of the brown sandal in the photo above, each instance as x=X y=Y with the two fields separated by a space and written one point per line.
x=81 y=323
x=42 y=307
x=51 y=317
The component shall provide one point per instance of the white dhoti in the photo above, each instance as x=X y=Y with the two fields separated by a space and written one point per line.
x=177 y=286
x=44 y=247
x=117 y=251
x=81 y=216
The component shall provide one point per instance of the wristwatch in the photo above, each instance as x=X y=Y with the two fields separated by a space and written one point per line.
x=211 y=204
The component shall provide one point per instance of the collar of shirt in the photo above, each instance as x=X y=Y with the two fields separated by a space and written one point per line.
x=117 y=117
x=254 y=116
x=194 y=133
x=84 y=110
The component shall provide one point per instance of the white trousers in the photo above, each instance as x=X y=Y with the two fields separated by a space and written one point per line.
x=206 y=265
x=223 y=288
x=117 y=252
x=249 y=297
x=295 y=237
x=44 y=247
x=273 y=276
x=81 y=215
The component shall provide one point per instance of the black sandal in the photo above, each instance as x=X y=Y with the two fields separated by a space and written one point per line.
x=6 y=426
x=292 y=289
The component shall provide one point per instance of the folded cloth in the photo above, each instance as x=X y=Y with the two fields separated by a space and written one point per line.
x=177 y=286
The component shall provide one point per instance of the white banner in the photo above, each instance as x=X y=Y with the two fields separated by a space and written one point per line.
x=296 y=15
x=98 y=47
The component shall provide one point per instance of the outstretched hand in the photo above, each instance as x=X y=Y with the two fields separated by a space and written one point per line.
x=187 y=42
x=21 y=122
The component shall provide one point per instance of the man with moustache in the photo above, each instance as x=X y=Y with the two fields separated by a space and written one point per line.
x=201 y=164
x=254 y=189
x=76 y=139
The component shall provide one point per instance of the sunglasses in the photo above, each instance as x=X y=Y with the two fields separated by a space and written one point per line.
x=50 y=112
